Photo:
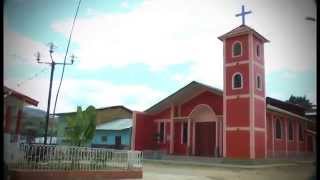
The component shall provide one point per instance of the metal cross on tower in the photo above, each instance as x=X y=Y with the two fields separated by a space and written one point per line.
x=243 y=13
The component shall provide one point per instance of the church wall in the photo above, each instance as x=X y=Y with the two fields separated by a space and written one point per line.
x=259 y=113
x=293 y=146
x=179 y=149
x=165 y=114
x=229 y=42
x=239 y=116
x=238 y=144
x=145 y=129
x=259 y=144
x=209 y=98
x=244 y=69
x=269 y=133
x=256 y=58
x=259 y=71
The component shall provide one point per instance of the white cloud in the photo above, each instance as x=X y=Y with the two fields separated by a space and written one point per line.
x=88 y=92
x=20 y=50
x=162 y=33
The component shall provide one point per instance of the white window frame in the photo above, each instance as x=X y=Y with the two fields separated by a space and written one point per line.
x=260 y=89
x=241 y=48
x=237 y=73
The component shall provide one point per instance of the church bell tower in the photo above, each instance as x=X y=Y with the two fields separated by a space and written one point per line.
x=244 y=105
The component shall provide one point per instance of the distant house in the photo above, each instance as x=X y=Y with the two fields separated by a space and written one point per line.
x=115 y=134
x=14 y=103
x=13 y=111
x=110 y=122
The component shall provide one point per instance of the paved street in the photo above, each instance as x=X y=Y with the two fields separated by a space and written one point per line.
x=162 y=171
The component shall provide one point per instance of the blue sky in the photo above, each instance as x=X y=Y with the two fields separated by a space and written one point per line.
x=135 y=53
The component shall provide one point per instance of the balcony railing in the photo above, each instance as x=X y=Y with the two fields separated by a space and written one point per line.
x=52 y=157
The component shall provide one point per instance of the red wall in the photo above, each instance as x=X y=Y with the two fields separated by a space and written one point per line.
x=259 y=144
x=238 y=112
x=259 y=113
x=279 y=144
x=245 y=49
x=238 y=144
x=259 y=71
x=179 y=149
x=269 y=132
x=144 y=132
x=261 y=58
x=209 y=98
x=163 y=114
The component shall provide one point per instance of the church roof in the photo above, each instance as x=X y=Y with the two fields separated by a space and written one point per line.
x=286 y=106
x=182 y=95
x=242 y=29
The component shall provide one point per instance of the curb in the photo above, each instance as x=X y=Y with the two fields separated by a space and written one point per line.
x=221 y=165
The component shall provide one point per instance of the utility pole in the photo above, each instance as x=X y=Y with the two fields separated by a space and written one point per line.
x=52 y=63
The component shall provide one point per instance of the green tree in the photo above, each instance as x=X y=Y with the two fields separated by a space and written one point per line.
x=81 y=128
x=300 y=100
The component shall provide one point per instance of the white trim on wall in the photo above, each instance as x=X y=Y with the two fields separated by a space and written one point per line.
x=236 y=63
x=238 y=128
x=238 y=96
x=251 y=90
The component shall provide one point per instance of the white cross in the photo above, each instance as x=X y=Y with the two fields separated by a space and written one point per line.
x=243 y=13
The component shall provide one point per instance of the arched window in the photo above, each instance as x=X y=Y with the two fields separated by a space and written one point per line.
x=258 y=82
x=300 y=133
x=258 y=50
x=236 y=49
x=237 y=81
x=290 y=130
x=278 y=129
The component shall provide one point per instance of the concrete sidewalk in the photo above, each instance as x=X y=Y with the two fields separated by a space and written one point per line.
x=226 y=165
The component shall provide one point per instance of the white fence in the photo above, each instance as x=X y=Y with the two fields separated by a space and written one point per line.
x=45 y=157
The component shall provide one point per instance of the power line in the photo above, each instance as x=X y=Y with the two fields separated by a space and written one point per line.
x=32 y=77
x=74 y=20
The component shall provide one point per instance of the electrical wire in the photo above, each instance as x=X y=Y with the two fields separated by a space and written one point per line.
x=32 y=77
x=65 y=57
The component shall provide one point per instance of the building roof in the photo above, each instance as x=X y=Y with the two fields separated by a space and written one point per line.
x=10 y=92
x=240 y=30
x=118 y=124
x=286 y=106
x=182 y=95
x=99 y=109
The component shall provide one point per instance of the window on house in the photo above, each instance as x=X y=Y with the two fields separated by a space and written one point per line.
x=237 y=81
x=300 y=133
x=278 y=129
x=236 y=49
x=161 y=131
x=104 y=138
x=185 y=133
x=259 y=82
x=290 y=130
x=258 y=50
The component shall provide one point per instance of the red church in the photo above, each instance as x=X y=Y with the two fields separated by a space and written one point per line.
x=236 y=122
